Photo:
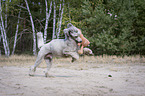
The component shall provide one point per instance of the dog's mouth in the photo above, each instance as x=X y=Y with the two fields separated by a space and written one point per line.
x=79 y=41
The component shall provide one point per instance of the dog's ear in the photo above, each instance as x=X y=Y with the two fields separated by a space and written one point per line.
x=66 y=33
x=79 y=32
x=69 y=25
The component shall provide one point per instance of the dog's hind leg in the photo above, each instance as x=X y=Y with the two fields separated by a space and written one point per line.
x=40 y=56
x=33 y=68
x=49 y=63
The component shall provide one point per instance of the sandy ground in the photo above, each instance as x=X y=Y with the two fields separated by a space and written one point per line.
x=109 y=79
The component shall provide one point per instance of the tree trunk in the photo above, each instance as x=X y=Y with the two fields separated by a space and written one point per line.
x=6 y=53
x=33 y=29
x=15 y=41
x=60 y=21
x=0 y=44
x=54 y=20
x=47 y=19
x=6 y=20
x=3 y=32
x=58 y=18
x=69 y=13
x=5 y=36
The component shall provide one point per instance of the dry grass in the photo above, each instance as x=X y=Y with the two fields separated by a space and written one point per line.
x=17 y=60
x=82 y=64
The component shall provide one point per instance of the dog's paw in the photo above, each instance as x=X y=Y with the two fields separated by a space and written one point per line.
x=48 y=75
x=32 y=71
x=73 y=59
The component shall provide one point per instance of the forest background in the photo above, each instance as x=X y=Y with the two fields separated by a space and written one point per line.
x=114 y=27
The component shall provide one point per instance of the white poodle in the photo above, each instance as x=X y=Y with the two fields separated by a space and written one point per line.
x=57 y=48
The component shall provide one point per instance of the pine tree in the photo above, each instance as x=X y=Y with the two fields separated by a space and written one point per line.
x=109 y=26
x=138 y=24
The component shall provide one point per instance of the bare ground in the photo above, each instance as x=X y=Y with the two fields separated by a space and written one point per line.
x=90 y=76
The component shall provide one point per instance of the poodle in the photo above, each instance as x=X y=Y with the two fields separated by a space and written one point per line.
x=57 y=48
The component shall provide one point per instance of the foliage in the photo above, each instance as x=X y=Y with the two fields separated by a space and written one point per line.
x=114 y=27
x=109 y=27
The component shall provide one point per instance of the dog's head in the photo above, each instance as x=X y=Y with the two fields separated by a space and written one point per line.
x=75 y=35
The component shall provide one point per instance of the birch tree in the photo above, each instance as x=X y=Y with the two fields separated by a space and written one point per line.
x=60 y=20
x=33 y=29
x=6 y=20
x=54 y=20
x=3 y=33
x=47 y=19
x=69 y=13
x=15 y=41
x=5 y=36
x=6 y=53
x=0 y=47
x=58 y=17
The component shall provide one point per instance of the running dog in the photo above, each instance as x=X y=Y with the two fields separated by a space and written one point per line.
x=57 y=48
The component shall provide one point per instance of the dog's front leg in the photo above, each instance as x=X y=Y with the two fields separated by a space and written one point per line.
x=74 y=56
x=69 y=51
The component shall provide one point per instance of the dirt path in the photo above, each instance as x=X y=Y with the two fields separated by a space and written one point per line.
x=106 y=80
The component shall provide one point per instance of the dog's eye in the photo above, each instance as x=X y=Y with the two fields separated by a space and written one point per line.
x=76 y=31
x=70 y=31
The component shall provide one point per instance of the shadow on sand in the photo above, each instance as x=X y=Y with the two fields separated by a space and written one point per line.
x=53 y=76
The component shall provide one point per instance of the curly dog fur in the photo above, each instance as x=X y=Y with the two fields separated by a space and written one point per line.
x=57 y=48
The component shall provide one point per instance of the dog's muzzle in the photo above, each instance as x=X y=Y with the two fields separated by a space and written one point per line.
x=79 y=41
x=75 y=36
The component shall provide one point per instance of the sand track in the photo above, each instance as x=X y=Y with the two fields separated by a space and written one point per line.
x=126 y=80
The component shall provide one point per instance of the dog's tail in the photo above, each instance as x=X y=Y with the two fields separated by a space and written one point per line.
x=40 y=41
